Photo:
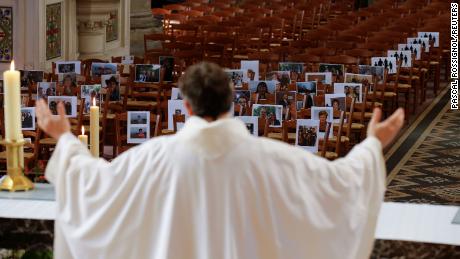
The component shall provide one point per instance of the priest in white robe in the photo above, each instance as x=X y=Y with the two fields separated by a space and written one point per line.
x=215 y=191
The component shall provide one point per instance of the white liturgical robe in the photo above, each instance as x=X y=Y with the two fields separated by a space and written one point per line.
x=213 y=191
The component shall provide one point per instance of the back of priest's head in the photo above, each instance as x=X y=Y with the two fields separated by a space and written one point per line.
x=206 y=89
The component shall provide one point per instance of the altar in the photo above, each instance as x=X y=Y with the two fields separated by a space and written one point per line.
x=403 y=229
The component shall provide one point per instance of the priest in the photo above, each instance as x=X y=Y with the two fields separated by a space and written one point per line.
x=215 y=191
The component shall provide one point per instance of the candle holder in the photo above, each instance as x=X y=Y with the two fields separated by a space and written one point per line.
x=15 y=180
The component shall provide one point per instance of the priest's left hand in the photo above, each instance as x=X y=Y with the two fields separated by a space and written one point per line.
x=54 y=126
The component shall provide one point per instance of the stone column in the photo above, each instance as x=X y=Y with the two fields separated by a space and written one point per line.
x=142 y=22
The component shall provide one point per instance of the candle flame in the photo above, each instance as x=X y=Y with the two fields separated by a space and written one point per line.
x=83 y=130
x=94 y=101
x=12 y=65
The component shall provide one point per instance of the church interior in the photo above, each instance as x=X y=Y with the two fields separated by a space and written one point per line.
x=305 y=72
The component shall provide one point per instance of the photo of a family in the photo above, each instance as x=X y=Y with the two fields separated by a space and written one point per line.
x=28 y=118
x=336 y=70
x=252 y=70
x=272 y=113
x=63 y=67
x=90 y=93
x=424 y=42
x=112 y=83
x=403 y=56
x=376 y=72
x=147 y=73
x=45 y=89
x=68 y=84
x=307 y=134
x=252 y=124
x=295 y=69
x=353 y=90
x=387 y=62
x=432 y=37
x=416 y=49
x=358 y=78
x=98 y=69
x=325 y=77
x=283 y=78
x=70 y=105
x=236 y=77
x=30 y=77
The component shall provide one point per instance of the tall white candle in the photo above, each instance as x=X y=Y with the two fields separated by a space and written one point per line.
x=12 y=102
x=94 y=128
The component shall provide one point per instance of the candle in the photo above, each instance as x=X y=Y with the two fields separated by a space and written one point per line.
x=94 y=128
x=83 y=138
x=12 y=101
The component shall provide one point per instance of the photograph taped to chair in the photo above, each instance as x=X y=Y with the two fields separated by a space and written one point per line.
x=88 y=93
x=167 y=63
x=325 y=77
x=111 y=82
x=252 y=70
x=30 y=77
x=282 y=78
x=416 y=49
x=306 y=87
x=45 y=89
x=252 y=124
x=432 y=36
x=375 y=71
x=386 y=62
x=295 y=69
x=68 y=84
x=236 y=77
x=176 y=94
x=273 y=113
x=28 y=118
x=337 y=71
x=98 y=69
x=242 y=98
x=262 y=88
x=425 y=42
x=63 y=67
x=307 y=134
x=138 y=126
x=147 y=73
x=404 y=55
x=323 y=115
x=287 y=99
x=337 y=102
x=128 y=60
x=70 y=105
x=353 y=90
x=175 y=107
x=358 y=78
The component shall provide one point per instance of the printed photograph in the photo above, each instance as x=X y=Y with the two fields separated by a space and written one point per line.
x=112 y=83
x=295 y=69
x=424 y=42
x=416 y=49
x=323 y=115
x=45 y=89
x=432 y=37
x=242 y=98
x=30 y=77
x=98 y=69
x=167 y=63
x=262 y=88
x=307 y=134
x=353 y=90
x=306 y=87
x=272 y=113
x=337 y=71
x=404 y=55
x=338 y=103
x=236 y=77
x=325 y=77
x=376 y=72
x=385 y=62
x=358 y=78
x=138 y=134
x=176 y=94
x=68 y=84
x=282 y=77
x=175 y=107
x=88 y=93
x=28 y=118
x=287 y=99
x=63 y=67
x=252 y=70
x=70 y=105
x=147 y=73
x=252 y=124
x=136 y=118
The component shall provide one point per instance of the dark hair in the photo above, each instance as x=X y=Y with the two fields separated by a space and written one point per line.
x=207 y=88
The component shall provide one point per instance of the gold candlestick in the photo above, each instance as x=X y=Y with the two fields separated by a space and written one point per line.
x=15 y=180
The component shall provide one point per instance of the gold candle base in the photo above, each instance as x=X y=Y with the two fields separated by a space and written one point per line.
x=15 y=180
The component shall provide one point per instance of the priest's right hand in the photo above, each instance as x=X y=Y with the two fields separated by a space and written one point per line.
x=386 y=130
x=54 y=126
